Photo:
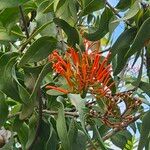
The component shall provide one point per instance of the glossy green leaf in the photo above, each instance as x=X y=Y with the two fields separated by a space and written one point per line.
x=103 y=26
x=142 y=37
x=3 y=110
x=61 y=128
x=69 y=30
x=145 y=131
x=39 y=50
x=90 y=6
x=8 y=3
x=7 y=83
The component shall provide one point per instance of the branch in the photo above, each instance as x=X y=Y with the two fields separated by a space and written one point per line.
x=69 y=114
x=116 y=130
x=116 y=13
x=24 y=21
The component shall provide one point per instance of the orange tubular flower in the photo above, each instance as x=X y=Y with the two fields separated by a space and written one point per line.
x=83 y=72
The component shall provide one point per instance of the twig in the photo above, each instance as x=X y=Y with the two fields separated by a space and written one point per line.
x=71 y=114
x=116 y=13
x=24 y=21
x=115 y=130
x=106 y=50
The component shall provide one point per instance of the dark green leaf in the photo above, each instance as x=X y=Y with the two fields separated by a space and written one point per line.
x=145 y=131
x=142 y=37
x=69 y=30
x=103 y=26
x=39 y=50
x=123 y=4
x=90 y=6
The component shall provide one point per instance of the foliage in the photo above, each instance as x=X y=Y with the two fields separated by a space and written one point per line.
x=66 y=83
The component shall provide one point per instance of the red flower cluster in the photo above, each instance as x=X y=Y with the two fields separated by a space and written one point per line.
x=84 y=72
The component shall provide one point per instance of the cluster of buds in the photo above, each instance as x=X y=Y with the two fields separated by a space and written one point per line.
x=112 y=116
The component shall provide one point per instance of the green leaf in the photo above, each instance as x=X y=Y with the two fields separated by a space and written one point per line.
x=142 y=37
x=90 y=6
x=72 y=134
x=120 y=139
x=6 y=37
x=37 y=31
x=58 y=4
x=144 y=86
x=8 y=85
x=8 y=3
x=103 y=26
x=123 y=41
x=145 y=131
x=28 y=108
x=120 y=48
x=3 y=110
x=22 y=131
x=100 y=141
x=79 y=103
x=9 y=16
x=32 y=130
x=80 y=141
x=52 y=142
x=133 y=10
x=61 y=127
x=39 y=50
x=69 y=30
x=43 y=18
x=123 y=4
